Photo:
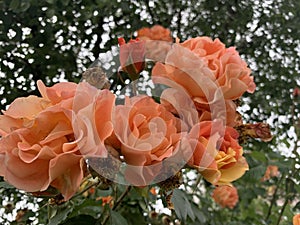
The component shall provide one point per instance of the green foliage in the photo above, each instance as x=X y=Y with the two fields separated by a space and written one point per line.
x=182 y=205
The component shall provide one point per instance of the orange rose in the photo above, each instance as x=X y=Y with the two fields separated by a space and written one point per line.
x=226 y=196
x=230 y=71
x=158 y=42
x=132 y=57
x=156 y=32
x=147 y=134
x=231 y=163
x=212 y=75
x=209 y=147
x=271 y=171
x=296 y=219
x=92 y=119
x=200 y=147
x=218 y=165
x=190 y=74
x=38 y=148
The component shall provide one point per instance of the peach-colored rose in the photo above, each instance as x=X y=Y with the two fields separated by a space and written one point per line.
x=209 y=147
x=156 y=32
x=37 y=148
x=231 y=163
x=147 y=134
x=193 y=76
x=212 y=75
x=226 y=196
x=271 y=171
x=200 y=147
x=92 y=119
x=158 y=42
x=296 y=219
x=230 y=71
x=23 y=110
x=43 y=155
x=216 y=152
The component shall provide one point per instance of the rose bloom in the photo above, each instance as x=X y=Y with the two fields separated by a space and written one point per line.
x=209 y=146
x=92 y=119
x=156 y=32
x=213 y=76
x=146 y=135
x=271 y=171
x=38 y=148
x=296 y=219
x=231 y=163
x=215 y=154
x=230 y=71
x=226 y=196
x=158 y=42
x=200 y=149
x=132 y=57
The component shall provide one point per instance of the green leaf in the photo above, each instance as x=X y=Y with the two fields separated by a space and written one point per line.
x=6 y=185
x=144 y=192
x=50 y=1
x=117 y=219
x=88 y=207
x=297 y=206
x=182 y=205
x=199 y=214
x=260 y=156
x=255 y=173
x=66 y=2
x=14 y=5
x=80 y=220
x=61 y=214
x=24 y=6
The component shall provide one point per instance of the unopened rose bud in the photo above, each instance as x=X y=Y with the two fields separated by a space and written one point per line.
x=296 y=92
x=132 y=57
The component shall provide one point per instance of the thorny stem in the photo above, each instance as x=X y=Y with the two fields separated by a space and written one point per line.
x=274 y=198
x=282 y=210
x=297 y=139
x=134 y=87
x=117 y=203
x=87 y=188
x=297 y=130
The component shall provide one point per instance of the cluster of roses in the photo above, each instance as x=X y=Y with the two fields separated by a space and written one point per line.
x=46 y=140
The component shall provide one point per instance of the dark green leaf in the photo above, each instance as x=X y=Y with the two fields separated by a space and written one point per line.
x=24 y=6
x=182 y=205
x=80 y=220
x=60 y=215
x=117 y=219
x=260 y=156
x=5 y=185
x=14 y=4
